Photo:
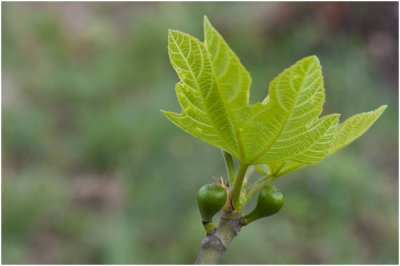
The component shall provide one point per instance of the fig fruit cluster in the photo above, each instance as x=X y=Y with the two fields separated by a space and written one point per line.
x=211 y=198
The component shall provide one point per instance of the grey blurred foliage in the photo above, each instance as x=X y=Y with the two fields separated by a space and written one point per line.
x=93 y=173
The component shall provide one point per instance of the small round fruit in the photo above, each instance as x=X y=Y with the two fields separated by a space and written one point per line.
x=210 y=199
x=269 y=202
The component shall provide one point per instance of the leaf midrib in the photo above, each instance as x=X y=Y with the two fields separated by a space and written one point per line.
x=220 y=40
x=230 y=115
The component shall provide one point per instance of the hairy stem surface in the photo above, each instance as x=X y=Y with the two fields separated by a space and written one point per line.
x=215 y=243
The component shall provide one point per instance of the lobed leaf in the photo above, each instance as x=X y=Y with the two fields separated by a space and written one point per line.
x=284 y=131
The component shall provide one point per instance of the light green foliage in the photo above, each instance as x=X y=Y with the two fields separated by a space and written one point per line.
x=284 y=131
x=354 y=127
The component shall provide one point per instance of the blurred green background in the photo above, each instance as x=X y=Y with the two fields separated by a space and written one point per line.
x=93 y=173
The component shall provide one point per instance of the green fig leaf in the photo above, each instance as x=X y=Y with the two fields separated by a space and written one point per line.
x=284 y=131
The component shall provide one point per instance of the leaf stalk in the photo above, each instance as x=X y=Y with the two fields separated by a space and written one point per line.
x=230 y=167
x=237 y=187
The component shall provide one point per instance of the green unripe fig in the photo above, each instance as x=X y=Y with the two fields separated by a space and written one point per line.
x=210 y=199
x=269 y=202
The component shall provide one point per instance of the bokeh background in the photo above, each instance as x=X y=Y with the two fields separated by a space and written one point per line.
x=93 y=173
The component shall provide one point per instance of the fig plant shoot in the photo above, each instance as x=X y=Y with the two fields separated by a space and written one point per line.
x=278 y=135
